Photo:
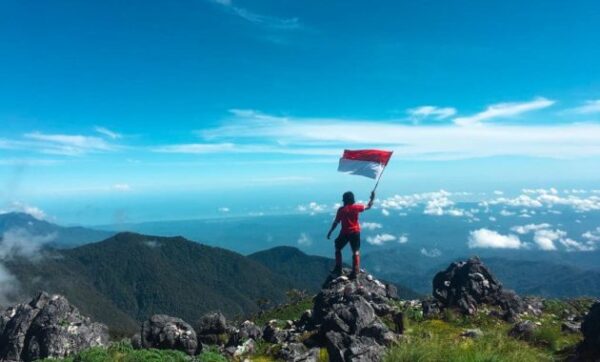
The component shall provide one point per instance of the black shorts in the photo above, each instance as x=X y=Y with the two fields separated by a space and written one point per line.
x=353 y=239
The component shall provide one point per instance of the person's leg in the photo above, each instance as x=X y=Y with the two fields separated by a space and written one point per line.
x=340 y=242
x=355 y=245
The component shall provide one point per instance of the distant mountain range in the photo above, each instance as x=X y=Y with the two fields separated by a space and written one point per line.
x=128 y=277
x=60 y=236
x=553 y=275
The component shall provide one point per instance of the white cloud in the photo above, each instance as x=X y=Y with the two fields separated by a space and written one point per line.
x=504 y=110
x=380 y=239
x=385 y=212
x=223 y=209
x=550 y=198
x=370 y=225
x=121 y=187
x=107 y=132
x=498 y=192
x=313 y=208
x=593 y=235
x=259 y=19
x=403 y=239
x=588 y=107
x=438 y=113
x=545 y=238
x=22 y=243
x=9 y=286
x=484 y=238
x=17 y=206
x=324 y=136
x=304 y=240
x=432 y=253
x=525 y=229
x=572 y=245
x=65 y=144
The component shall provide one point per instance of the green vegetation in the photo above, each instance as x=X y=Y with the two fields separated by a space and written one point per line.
x=284 y=312
x=443 y=340
x=124 y=352
x=127 y=278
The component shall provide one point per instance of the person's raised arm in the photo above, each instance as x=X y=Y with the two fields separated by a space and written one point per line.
x=370 y=204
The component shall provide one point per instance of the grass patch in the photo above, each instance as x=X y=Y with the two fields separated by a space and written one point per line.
x=437 y=340
x=284 y=312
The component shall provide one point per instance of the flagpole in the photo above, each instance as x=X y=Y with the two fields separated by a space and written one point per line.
x=379 y=178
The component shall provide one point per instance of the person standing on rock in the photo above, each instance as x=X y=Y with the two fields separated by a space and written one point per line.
x=350 y=232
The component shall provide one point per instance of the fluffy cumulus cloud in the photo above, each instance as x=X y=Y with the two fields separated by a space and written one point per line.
x=592 y=235
x=304 y=240
x=370 y=225
x=485 y=238
x=545 y=238
x=380 y=239
x=313 y=208
x=403 y=239
x=549 y=198
x=525 y=229
x=436 y=203
x=573 y=245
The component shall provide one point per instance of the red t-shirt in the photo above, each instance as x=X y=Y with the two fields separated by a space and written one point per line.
x=348 y=216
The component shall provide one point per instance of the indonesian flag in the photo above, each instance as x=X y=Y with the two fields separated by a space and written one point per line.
x=369 y=163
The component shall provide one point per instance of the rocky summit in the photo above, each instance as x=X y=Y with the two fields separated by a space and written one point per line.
x=346 y=320
x=47 y=326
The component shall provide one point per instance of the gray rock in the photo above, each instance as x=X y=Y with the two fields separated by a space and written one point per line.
x=165 y=332
x=472 y=333
x=570 y=327
x=347 y=315
x=274 y=334
x=524 y=330
x=468 y=284
x=47 y=327
x=212 y=329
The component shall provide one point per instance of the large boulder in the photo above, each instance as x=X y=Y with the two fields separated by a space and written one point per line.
x=589 y=349
x=212 y=329
x=468 y=284
x=347 y=315
x=165 y=332
x=47 y=327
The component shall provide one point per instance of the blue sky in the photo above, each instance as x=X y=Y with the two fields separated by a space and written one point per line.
x=165 y=110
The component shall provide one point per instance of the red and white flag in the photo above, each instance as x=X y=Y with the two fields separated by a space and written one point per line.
x=369 y=163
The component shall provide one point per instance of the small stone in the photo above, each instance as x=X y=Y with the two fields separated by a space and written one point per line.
x=472 y=333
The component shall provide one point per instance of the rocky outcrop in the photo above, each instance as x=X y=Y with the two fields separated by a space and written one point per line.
x=165 y=332
x=589 y=349
x=347 y=315
x=469 y=284
x=47 y=326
